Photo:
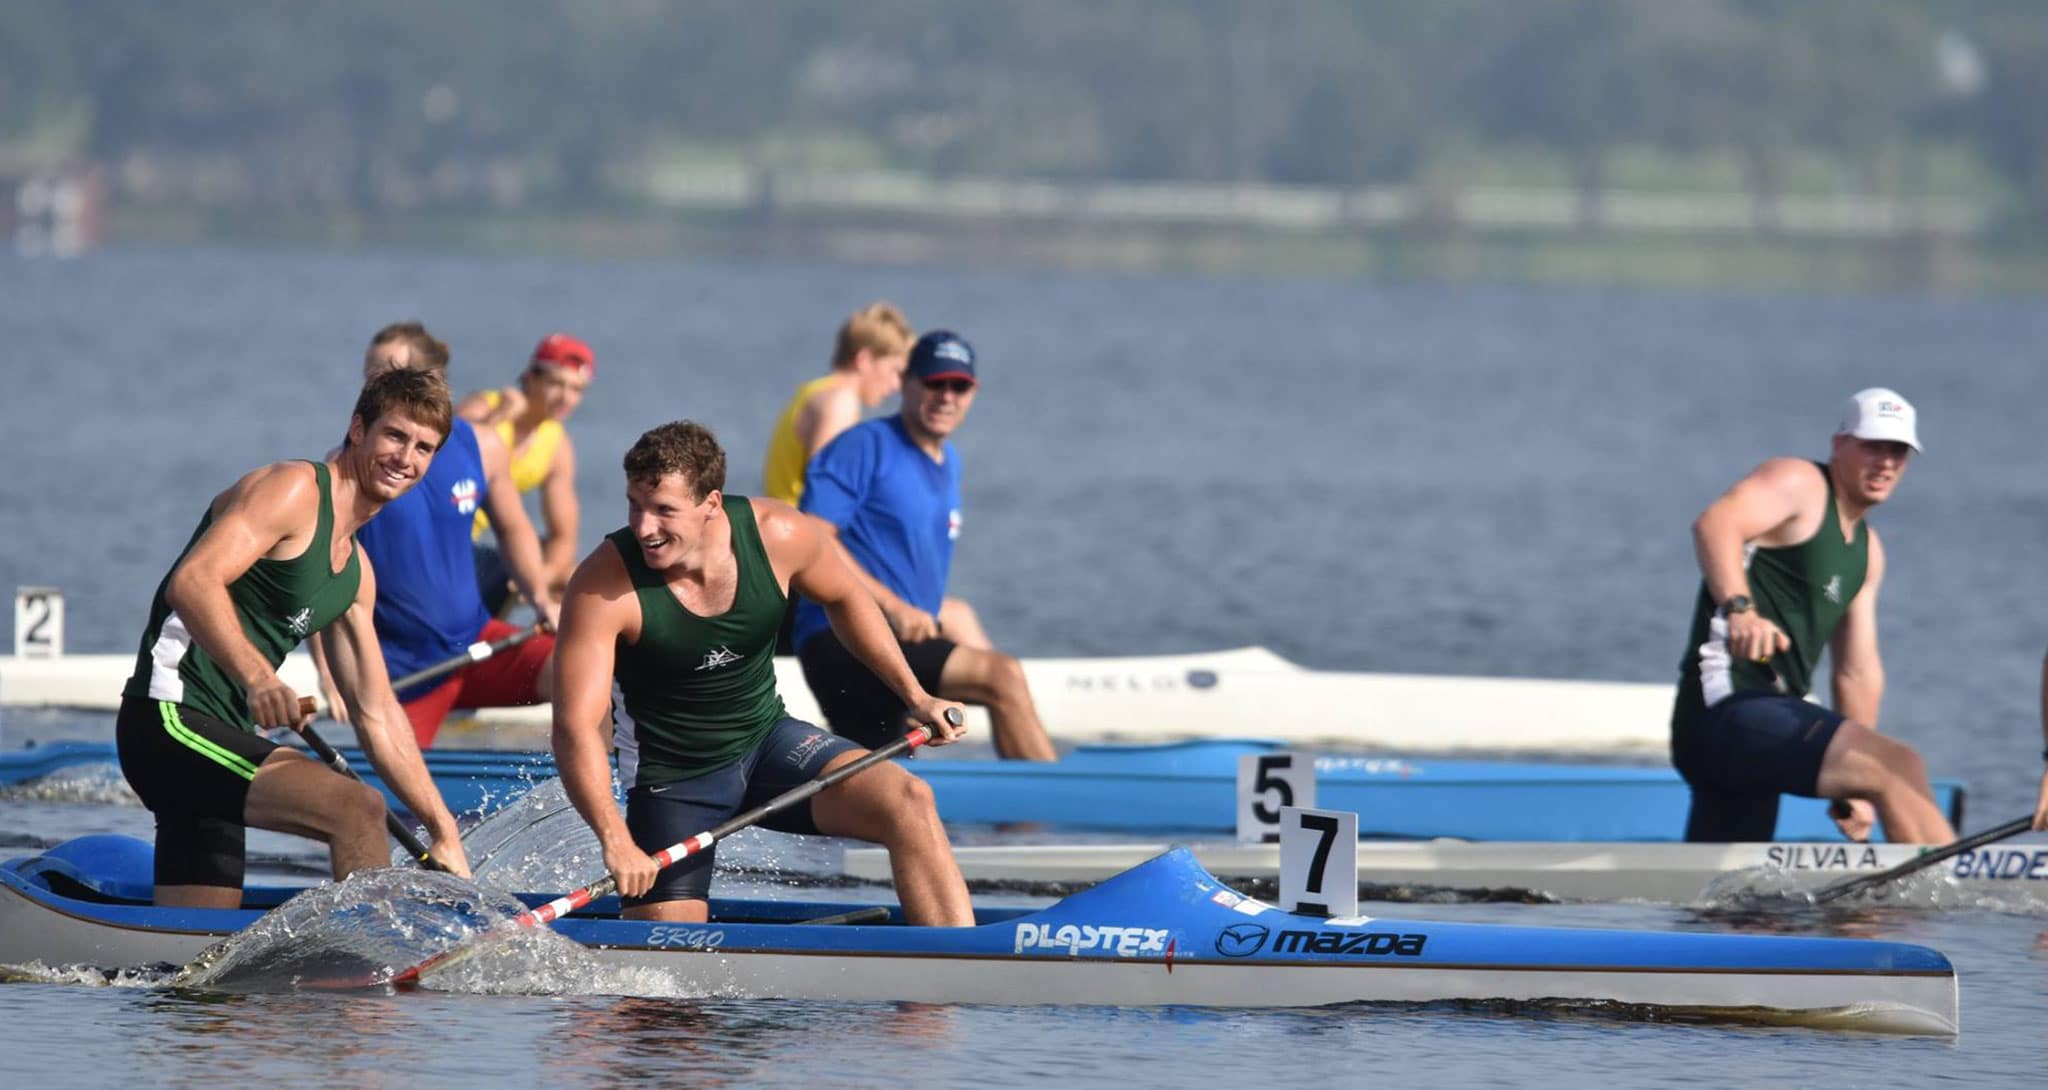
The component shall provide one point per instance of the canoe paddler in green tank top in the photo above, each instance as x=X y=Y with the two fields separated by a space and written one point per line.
x=274 y=560
x=678 y=612
x=1789 y=568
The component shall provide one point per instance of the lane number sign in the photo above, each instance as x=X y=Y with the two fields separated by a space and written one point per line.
x=38 y=622
x=1266 y=782
x=1319 y=861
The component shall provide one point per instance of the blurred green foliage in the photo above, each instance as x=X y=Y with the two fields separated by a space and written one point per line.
x=374 y=104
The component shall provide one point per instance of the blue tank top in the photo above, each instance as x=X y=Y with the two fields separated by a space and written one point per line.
x=898 y=512
x=428 y=605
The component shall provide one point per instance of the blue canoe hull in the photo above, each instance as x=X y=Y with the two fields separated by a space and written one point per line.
x=1192 y=787
x=1164 y=931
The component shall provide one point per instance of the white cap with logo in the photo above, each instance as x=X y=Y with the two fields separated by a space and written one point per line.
x=1880 y=414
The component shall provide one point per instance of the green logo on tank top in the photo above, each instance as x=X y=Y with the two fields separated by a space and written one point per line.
x=1833 y=590
x=298 y=621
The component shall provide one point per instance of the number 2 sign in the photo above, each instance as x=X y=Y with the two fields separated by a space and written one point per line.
x=38 y=622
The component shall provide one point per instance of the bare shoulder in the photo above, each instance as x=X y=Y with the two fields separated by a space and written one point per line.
x=477 y=405
x=777 y=520
x=488 y=445
x=1786 y=487
x=601 y=576
x=280 y=487
x=1789 y=473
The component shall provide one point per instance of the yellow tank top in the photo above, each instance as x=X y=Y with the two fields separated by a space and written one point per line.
x=529 y=466
x=783 y=475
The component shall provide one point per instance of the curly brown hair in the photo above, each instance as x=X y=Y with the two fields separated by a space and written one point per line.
x=683 y=447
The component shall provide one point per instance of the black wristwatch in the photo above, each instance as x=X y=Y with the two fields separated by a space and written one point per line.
x=1736 y=603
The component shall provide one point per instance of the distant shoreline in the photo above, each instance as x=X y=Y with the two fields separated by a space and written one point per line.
x=1934 y=262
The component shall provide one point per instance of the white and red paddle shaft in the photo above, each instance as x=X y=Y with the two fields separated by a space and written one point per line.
x=675 y=853
x=476 y=652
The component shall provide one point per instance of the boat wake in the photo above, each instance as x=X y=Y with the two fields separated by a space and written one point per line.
x=1768 y=889
x=1884 y=1018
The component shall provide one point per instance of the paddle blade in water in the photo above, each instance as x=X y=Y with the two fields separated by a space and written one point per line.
x=348 y=934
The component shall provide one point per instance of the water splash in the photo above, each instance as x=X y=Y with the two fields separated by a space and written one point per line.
x=361 y=932
x=357 y=928
x=37 y=972
x=96 y=784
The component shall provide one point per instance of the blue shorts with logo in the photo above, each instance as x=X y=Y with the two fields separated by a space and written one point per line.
x=793 y=753
x=1741 y=754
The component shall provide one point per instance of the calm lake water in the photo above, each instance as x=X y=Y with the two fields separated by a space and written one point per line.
x=1436 y=480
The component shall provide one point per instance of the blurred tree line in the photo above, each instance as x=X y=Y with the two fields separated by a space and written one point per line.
x=377 y=104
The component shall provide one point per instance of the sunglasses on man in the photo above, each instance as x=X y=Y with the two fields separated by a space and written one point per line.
x=956 y=385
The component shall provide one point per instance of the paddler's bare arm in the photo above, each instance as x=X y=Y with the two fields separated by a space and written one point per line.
x=515 y=531
x=909 y=623
x=813 y=560
x=1858 y=684
x=2041 y=799
x=272 y=512
x=597 y=610
x=1761 y=507
x=356 y=661
x=833 y=410
x=558 y=506
x=477 y=407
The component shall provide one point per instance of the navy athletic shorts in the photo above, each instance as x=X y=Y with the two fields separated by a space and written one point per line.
x=855 y=702
x=1741 y=754
x=193 y=772
x=658 y=815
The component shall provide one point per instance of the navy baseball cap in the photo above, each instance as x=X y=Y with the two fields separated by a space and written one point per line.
x=941 y=354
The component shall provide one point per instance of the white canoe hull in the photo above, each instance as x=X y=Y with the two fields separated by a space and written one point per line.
x=1895 y=1003
x=1246 y=692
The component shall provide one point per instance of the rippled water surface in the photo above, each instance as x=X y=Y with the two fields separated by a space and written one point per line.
x=1434 y=480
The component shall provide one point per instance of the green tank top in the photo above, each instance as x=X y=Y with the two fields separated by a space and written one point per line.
x=697 y=693
x=280 y=603
x=1805 y=588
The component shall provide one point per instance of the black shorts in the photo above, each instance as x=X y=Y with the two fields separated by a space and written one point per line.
x=855 y=702
x=193 y=772
x=665 y=814
x=1741 y=754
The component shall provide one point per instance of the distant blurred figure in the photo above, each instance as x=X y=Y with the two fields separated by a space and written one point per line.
x=529 y=417
x=428 y=608
x=1789 y=567
x=889 y=491
x=868 y=358
x=2041 y=800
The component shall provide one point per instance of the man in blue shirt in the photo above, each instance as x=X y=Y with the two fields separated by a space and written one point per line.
x=890 y=489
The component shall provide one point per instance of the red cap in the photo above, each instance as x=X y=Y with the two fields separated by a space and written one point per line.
x=562 y=350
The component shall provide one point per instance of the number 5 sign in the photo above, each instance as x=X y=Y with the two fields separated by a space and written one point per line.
x=1265 y=783
x=38 y=622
